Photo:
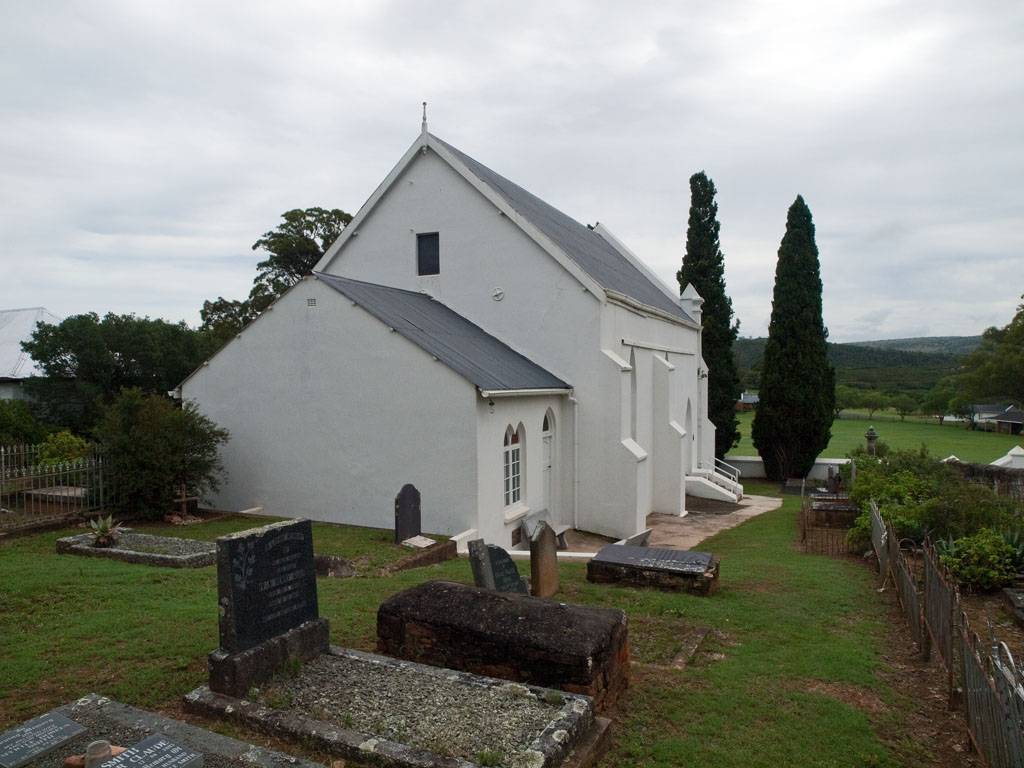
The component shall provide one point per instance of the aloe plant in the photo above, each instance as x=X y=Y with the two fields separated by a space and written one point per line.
x=104 y=531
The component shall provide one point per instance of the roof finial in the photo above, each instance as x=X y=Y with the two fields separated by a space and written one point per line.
x=424 y=118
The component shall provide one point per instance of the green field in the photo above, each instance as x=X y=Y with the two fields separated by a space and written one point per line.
x=796 y=641
x=941 y=441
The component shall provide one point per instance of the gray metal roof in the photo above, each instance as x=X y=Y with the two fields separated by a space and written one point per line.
x=464 y=347
x=591 y=252
x=16 y=326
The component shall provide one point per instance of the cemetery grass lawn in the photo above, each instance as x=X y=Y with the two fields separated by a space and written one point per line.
x=941 y=441
x=793 y=672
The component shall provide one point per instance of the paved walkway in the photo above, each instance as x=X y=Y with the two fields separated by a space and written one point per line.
x=704 y=518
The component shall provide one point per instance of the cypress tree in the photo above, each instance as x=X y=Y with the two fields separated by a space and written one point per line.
x=797 y=394
x=704 y=268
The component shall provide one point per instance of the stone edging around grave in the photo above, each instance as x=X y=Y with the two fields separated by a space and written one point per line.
x=575 y=724
x=438 y=553
x=187 y=553
x=114 y=721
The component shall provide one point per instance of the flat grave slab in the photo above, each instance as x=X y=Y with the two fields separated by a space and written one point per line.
x=675 y=570
x=160 y=741
x=144 y=549
x=377 y=710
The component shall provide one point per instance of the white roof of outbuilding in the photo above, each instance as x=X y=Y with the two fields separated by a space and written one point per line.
x=16 y=326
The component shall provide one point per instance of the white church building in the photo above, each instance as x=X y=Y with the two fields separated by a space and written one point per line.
x=464 y=336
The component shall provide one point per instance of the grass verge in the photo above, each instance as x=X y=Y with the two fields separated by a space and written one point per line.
x=941 y=441
x=789 y=631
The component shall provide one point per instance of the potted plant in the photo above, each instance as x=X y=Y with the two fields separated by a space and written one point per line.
x=104 y=531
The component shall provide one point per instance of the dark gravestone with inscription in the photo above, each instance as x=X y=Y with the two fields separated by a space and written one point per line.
x=671 y=569
x=407 y=513
x=266 y=584
x=36 y=738
x=266 y=579
x=494 y=569
x=157 y=751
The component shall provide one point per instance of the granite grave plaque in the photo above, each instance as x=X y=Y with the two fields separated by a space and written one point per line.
x=652 y=558
x=36 y=738
x=494 y=569
x=158 y=751
x=407 y=513
x=266 y=583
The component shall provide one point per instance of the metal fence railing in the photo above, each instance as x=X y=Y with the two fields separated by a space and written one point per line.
x=993 y=685
x=941 y=599
x=993 y=700
x=33 y=491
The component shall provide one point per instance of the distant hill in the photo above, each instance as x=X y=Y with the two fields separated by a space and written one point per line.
x=872 y=365
x=945 y=345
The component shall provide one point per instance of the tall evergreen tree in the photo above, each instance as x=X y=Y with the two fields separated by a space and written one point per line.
x=797 y=395
x=704 y=268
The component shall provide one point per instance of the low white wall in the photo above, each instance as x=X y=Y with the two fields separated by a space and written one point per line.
x=753 y=466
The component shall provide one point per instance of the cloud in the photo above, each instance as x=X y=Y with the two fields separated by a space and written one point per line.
x=145 y=146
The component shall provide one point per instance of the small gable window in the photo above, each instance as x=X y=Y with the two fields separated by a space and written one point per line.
x=428 y=254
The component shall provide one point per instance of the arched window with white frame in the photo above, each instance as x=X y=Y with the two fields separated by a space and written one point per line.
x=513 y=461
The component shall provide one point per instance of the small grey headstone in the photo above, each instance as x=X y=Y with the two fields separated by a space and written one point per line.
x=35 y=738
x=158 y=751
x=543 y=562
x=407 y=513
x=494 y=569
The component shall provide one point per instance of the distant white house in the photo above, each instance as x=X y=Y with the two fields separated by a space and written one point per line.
x=1003 y=418
x=16 y=326
x=464 y=336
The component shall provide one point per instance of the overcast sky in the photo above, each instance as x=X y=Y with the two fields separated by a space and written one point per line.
x=144 y=146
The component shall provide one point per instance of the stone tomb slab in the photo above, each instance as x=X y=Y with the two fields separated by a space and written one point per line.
x=673 y=570
x=375 y=710
x=102 y=718
x=576 y=648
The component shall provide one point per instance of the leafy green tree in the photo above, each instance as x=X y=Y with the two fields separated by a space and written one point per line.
x=704 y=268
x=875 y=401
x=938 y=400
x=995 y=370
x=86 y=361
x=904 y=404
x=846 y=397
x=152 y=447
x=293 y=249
x=18 y=425
x=794 y=418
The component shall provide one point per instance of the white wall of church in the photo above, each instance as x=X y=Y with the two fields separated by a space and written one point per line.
x=497 y=522
x=330 y=414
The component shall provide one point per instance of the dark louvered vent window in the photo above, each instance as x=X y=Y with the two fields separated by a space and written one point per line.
x=428 y=254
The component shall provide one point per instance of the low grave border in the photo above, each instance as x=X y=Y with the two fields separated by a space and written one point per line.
x=105 y=718
x=575 y=734
x=205 y=554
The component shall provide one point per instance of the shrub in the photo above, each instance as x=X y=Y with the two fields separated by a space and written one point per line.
x=151 y=447
x=980 y=562
x=18 y=425
x=963 y=509
x=62 y=447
